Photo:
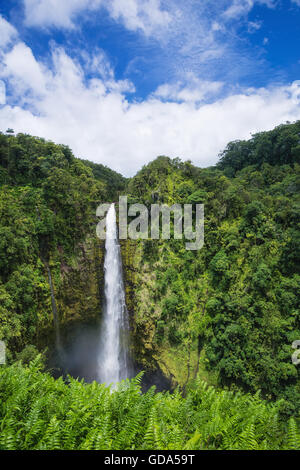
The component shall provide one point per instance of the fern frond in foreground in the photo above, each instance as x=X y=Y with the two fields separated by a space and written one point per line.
x=38 y=412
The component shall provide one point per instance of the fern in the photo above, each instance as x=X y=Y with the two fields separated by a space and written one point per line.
x=38 y=412
x=293 y=436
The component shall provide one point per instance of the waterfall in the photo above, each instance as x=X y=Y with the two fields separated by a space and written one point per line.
x=113 y=361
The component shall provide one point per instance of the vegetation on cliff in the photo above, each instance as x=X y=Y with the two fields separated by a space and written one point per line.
x=48 y=200
x=231 y=309
x=225 y=315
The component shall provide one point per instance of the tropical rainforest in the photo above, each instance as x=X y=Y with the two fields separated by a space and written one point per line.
x=218 y=323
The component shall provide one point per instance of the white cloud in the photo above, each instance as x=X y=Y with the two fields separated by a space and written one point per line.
x=25 y=71
x=239 y=8
x=143 y=15
x=254 y=26
x=98 y=64
x=58 y=13
x=7 y=32
x=177 y=36
x=2 y=92
x=148 y=16
x=192 y=90
x=94 y=118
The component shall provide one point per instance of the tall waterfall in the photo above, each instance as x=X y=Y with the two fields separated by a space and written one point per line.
x=113 y=361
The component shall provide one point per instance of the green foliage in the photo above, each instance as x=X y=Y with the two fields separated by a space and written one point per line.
x=48 y=201
x=237 y=297
x=277 y=147
x=28 y=354
x=232 y=308
x=115 y=182
x=40 y=413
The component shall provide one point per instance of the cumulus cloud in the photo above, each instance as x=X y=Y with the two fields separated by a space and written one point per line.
x=97 y=121
x=24 y=71
x=7 y=32
x=85 y=106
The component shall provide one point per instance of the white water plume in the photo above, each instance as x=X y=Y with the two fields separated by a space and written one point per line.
x=113 y=362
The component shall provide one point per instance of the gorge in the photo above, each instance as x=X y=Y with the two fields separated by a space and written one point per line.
x=214 y=322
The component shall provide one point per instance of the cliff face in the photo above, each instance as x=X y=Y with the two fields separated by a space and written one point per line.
x=50 y=262
x=78 y=289
x=144 y=313
x=142 y=327
x=78 y=284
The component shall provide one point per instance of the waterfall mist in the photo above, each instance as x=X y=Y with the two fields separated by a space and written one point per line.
x=93 y=351
x=113 y=357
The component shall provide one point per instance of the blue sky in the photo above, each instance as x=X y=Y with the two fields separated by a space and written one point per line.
x=122 y=81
